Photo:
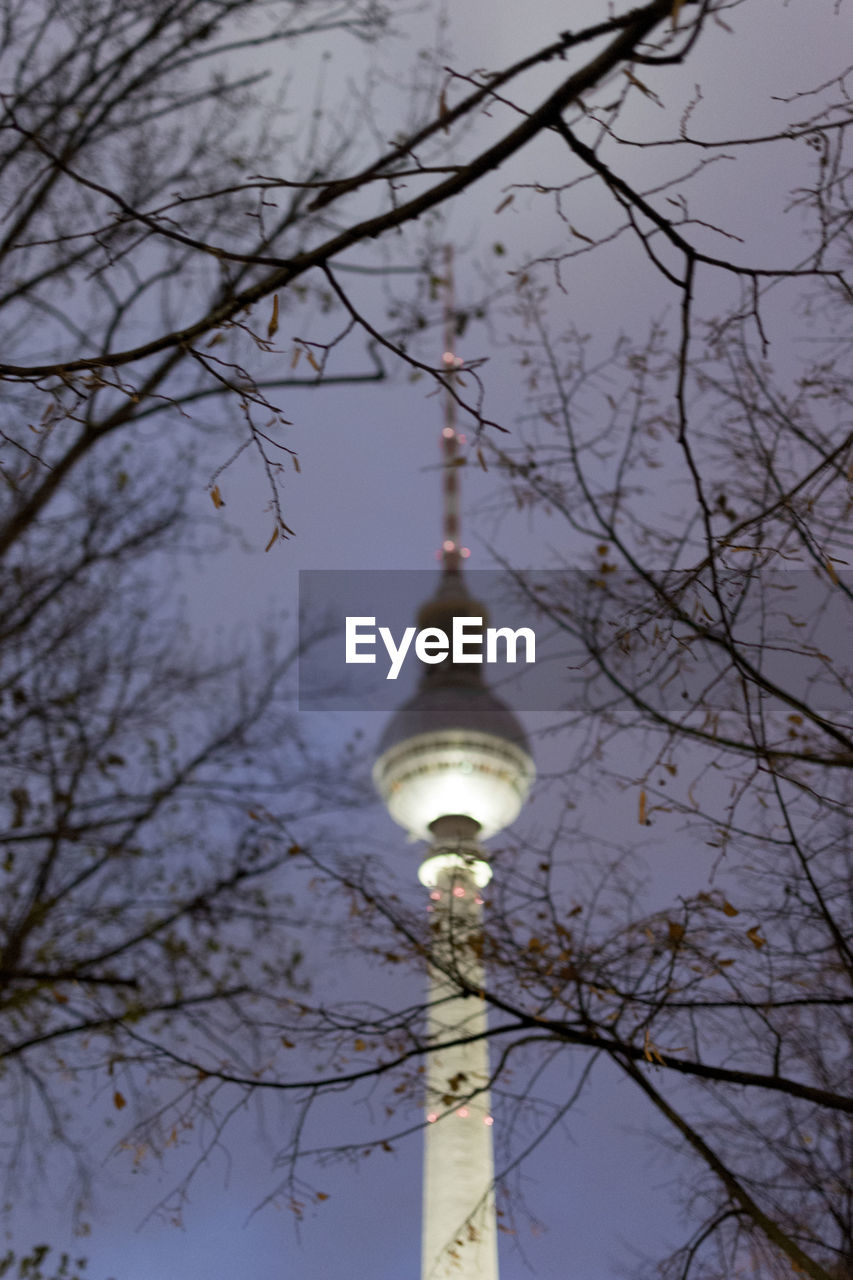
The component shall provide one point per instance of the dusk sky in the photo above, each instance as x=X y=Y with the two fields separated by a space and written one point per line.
x=367 y=496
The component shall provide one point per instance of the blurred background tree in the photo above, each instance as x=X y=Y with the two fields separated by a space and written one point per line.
x=166 y=204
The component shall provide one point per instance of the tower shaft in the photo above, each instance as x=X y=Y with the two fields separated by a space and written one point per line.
x=451 y=550
x=459 y=1222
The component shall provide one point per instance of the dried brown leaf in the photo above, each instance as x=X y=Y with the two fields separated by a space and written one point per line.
x=676 y=931
x=272 y=327
x=442 y=110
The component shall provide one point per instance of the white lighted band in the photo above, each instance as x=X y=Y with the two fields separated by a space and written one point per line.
x=430 y=870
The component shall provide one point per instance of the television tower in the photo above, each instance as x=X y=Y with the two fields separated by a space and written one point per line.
x=454 y=768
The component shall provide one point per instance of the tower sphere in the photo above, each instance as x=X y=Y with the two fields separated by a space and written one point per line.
x=454 y=747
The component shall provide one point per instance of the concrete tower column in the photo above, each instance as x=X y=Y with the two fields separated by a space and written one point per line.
x=459 y=1223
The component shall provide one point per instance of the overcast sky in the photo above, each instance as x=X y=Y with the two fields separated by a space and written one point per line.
x=367 y=496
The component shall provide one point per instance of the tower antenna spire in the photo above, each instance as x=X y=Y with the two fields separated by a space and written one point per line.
x=451 y=551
